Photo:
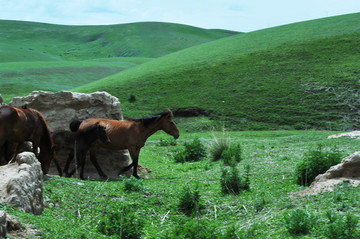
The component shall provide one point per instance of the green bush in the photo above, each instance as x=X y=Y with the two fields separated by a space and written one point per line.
x=132 y=98
x=232 y=155
x=167 y=142
x=299 y=222
x=232 y=183
x=193 y=151
x=342 y=228
x=315 y=162
x=189 y=201
x=121 y=222
x=133 y=184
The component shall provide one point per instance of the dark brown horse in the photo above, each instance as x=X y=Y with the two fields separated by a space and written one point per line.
x=129 y=134
x=20 y=125
x=84 y=139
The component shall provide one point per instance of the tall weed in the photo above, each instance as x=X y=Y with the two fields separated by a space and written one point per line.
x=222 y=149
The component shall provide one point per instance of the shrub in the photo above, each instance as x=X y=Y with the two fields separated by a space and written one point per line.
x=189 y=201
x=231 y=181
x=342 y=228
x=121 y=222
x=299 y=222
x=315 y=162
x=132 y=98
x=133 y=184
x=232 y=155
x=167 y=142
x=194 y=229
x=193 y=151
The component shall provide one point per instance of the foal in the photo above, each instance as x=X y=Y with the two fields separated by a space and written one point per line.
x=129 y=134
x=84 y=139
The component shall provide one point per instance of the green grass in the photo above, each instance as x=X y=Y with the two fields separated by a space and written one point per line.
x=75 y=207
x=301 y=76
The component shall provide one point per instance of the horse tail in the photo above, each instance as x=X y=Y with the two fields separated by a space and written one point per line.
x=74 y=125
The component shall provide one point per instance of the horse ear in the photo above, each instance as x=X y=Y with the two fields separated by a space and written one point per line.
x=169 y=114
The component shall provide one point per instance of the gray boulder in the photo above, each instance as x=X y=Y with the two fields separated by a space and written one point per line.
x=21 y=183
x=60 y=108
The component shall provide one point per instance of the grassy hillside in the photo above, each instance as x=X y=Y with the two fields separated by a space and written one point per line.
x=20 y=78
x=28 y=41
x=300 y=75
x=36 y=56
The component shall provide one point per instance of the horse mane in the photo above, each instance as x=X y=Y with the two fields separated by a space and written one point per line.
x=152 y=119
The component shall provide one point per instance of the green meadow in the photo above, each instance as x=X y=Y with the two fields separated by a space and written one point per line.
x=278 y=92
x=76 y=208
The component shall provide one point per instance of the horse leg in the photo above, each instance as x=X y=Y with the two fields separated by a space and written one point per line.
x=81 y=162
x=67 y=164
x=134 y=154
x=15 y=153
x=35 y=149
x=77 y=166
x=58 y=167
x=4 y=152
x=95 y=163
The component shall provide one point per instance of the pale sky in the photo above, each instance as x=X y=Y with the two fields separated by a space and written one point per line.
x=237 y=15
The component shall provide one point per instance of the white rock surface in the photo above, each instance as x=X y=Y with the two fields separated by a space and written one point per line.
x=21 y=183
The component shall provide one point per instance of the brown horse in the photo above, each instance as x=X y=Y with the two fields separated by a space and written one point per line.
x=84 y=139
x=128 y=134
x=20 y=125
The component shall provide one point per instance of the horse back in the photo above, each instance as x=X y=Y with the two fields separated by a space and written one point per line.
x=121 y=133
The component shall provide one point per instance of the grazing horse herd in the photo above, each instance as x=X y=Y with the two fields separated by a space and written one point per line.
x=20 y=125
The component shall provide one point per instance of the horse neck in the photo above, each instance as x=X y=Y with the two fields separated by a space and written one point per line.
x=46 y=140
x=151 y=129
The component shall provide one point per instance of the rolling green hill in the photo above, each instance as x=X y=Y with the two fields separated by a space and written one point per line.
x=37 y=56
x=303 y=75
x=29 y=41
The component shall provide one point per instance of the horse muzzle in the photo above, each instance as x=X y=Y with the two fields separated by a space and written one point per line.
x=176 y=135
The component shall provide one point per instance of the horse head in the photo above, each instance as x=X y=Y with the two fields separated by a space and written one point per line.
x=46 y=144
x=168 y=125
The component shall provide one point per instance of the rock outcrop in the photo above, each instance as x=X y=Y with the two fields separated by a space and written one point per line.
x=347 y=171
x=60 y=108
x=21 y=183
x=12 y=228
